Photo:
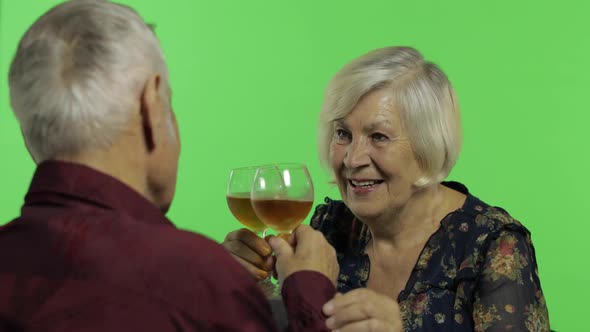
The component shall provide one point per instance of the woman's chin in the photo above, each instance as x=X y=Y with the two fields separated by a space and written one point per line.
x=364 y=210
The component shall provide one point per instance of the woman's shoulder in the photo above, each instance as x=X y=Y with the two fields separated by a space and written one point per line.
x=477 y=216
x=493 y=219
x=326 y=214
x=477 y=225
x=469 y=235
x=335 y=220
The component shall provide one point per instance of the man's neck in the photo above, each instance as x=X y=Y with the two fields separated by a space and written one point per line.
x=119 y=164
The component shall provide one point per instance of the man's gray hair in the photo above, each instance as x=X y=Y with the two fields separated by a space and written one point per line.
x=77 y=74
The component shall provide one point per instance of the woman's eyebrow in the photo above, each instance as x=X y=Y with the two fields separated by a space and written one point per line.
x=382 y=123
x=340 y=123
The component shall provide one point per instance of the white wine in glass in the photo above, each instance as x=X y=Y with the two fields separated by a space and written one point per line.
x=237 y=195
x=282 y=195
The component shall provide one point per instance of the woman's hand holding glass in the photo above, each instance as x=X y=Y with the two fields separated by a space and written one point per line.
x=277 y=196
x=252 y=251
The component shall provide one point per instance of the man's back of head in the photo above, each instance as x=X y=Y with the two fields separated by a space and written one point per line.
x=78 y=86
x=81 y=66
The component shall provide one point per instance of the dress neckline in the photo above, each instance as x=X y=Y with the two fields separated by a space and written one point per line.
x=471 y=205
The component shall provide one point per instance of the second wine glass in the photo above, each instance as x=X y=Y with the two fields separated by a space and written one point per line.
x=282 y=195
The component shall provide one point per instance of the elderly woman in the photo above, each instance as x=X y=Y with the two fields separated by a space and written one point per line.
x=415 y=253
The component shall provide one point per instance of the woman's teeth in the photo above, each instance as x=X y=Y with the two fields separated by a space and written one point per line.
x=365 y=183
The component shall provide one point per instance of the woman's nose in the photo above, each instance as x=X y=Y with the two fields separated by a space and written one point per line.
x=357 y=155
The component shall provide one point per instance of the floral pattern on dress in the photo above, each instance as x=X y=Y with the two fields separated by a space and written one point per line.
x=506 y=262
x=477 y=272
x=484 y=316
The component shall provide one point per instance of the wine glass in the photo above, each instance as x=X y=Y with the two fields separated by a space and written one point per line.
x=237 y=194
x=282 y=195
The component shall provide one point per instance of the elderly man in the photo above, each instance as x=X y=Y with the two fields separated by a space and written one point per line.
x=92 y=249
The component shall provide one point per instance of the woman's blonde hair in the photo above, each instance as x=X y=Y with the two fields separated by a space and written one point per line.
x=423 y=94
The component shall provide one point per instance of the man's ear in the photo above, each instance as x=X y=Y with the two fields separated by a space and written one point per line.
x=150 y=111
x=28 y=147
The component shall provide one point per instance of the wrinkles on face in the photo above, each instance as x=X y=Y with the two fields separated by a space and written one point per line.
x=371 y=157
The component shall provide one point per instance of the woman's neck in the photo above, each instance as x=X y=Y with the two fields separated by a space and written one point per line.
x=414 y=223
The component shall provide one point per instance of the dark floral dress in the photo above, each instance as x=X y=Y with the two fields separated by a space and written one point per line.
x=477 y=272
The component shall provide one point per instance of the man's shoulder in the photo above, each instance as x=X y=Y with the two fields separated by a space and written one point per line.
x=180 y=270
x=199 y=276
x=147 y=256
x=192 y=247
x=76 y=305
x=112 y=231
x=184 y=269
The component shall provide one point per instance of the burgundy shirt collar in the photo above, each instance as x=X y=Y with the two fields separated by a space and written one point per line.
x=67 y=183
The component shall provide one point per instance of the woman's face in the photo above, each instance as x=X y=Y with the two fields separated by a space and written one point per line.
x=372 y=159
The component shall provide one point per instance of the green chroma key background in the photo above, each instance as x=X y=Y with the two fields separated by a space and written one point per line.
x=248 y=79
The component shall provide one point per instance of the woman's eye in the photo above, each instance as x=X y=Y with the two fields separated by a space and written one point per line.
x=342 y=134
x=378 y=137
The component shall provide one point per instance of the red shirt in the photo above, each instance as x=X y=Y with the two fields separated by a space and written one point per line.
x=88 y=253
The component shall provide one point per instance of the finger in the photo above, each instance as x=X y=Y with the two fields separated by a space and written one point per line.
x=280 y=247
x=353 y=297
x=290 y=238
x=370 y=325
x=271 y=266
x=306 y=238
x=359 y=305
x=252 y=240
x=302 y=229
x=269 y=263
x=328 y=307
x=239 y=249
x=237 y=234
x=257 y=273
x=350 y=314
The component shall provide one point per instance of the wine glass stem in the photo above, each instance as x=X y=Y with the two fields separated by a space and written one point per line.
x=266 y=284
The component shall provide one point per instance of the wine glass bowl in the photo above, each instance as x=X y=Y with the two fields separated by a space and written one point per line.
x=238 y=198
x=282 y=195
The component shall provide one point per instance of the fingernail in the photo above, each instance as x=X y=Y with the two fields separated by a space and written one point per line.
x=330 y=322
x=328 y=308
